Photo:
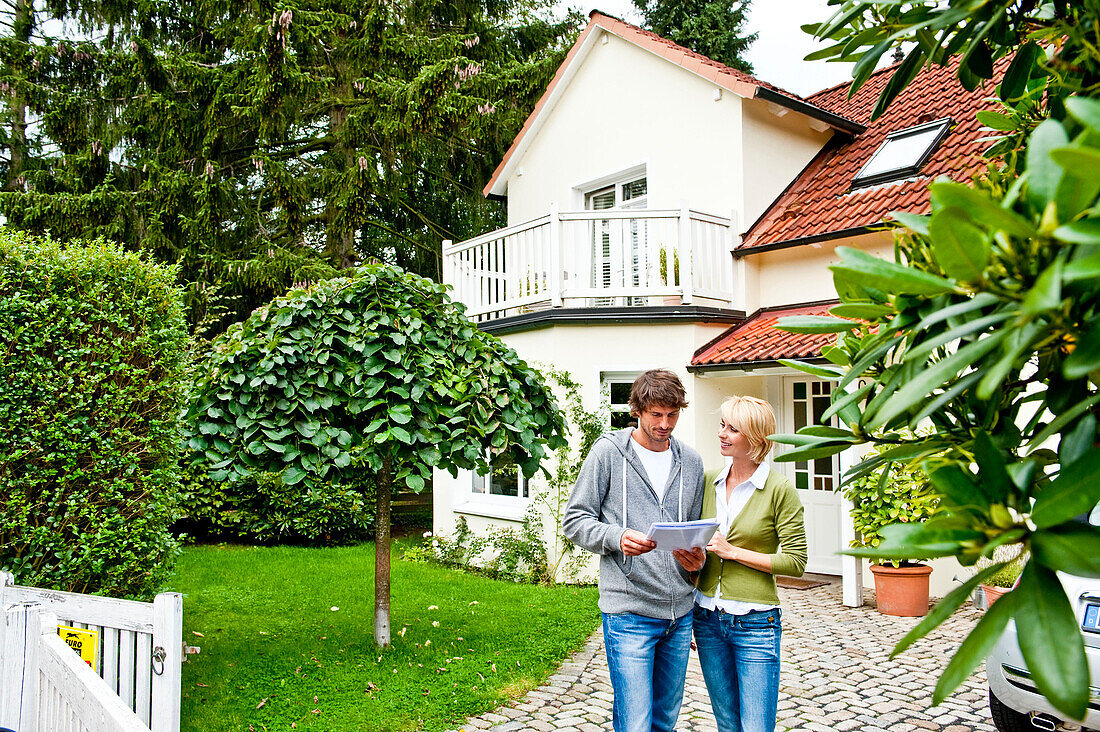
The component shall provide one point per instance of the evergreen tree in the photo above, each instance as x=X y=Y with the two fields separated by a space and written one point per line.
x=713 y=28
x=260 y=144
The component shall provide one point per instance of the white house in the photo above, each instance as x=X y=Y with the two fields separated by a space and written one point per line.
x=663 y=211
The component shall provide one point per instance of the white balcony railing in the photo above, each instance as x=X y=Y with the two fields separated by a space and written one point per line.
x=594 y=259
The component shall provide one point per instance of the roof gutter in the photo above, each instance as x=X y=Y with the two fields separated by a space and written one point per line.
x=833 y=120
x=706 y=368
x=814 y=239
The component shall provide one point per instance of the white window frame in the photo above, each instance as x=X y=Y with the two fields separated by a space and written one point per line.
x=607 y=378
x=814 y=479
x=941 y=128
x=604 y=263
x=484 y=495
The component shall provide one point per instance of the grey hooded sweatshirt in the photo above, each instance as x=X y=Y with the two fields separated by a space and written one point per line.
x=613 y=494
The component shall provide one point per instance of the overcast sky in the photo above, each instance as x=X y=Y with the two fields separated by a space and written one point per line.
x=778 y=52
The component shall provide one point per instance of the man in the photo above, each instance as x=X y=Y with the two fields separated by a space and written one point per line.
x=632 y=478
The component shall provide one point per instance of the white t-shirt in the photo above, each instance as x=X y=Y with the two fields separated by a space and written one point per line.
x=657 y=466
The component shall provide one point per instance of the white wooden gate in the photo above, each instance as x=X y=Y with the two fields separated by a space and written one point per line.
x=139 y=661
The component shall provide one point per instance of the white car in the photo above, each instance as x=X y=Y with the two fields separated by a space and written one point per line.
x=1013 y=701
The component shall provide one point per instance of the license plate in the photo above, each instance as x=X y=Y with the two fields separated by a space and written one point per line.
x=1091 y=622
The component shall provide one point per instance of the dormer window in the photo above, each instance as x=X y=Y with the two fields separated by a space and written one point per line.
x=903 y=153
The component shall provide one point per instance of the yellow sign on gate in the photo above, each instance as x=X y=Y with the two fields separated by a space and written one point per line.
x=84 y=642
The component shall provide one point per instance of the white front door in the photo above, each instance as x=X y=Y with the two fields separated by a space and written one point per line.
x=805 y=399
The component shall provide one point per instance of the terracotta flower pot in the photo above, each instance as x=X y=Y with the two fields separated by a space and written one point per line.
x=903 y=590
x=992 y=593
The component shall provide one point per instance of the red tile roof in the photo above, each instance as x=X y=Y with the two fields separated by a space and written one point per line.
x=820 y=202
x=723 y=76
x=757 y=339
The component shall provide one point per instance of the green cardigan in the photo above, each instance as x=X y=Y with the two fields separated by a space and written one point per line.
x=771 y=518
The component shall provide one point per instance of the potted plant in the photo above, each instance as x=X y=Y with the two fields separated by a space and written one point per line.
x=890 y=494
x=1005 y=579
x=668 y=262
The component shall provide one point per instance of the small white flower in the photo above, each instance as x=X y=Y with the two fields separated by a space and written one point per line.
x=427 y=534
x=433 y=607
x=334 y=608
x=435 y=623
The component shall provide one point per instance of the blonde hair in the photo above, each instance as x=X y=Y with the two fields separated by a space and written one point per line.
x=755 y=419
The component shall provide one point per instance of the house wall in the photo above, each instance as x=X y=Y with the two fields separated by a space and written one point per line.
x=778 y=144
x=587 y=352
x=627 y=108
x=801 y=274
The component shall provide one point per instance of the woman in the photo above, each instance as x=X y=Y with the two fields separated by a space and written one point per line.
x=760 y=534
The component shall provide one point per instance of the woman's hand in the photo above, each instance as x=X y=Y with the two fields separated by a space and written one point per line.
x=722 y=548
x=693 y=560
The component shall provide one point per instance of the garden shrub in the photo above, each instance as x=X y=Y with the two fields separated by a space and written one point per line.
x=95 y=349
x=264 y=510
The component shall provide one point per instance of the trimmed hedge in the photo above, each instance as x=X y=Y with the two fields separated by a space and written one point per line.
x=94 y=347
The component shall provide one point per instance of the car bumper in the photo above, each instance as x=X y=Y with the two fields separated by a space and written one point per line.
x=1011 y=682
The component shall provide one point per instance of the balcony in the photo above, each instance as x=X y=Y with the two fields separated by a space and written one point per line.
x=594 y=259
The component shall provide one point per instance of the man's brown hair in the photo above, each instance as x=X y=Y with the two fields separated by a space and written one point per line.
x=656 y=388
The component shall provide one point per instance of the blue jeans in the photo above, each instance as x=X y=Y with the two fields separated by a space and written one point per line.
x=647 y=658
x=739 y=655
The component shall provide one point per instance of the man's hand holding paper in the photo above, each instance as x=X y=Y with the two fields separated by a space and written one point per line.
x=687 y=535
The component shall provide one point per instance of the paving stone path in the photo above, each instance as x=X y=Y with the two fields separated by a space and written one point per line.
x=837 y=675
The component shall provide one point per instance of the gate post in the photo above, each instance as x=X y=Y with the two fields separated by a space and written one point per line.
x=19 y=631
x=167 y=660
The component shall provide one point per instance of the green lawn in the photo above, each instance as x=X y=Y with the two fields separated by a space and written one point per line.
x=277 y=654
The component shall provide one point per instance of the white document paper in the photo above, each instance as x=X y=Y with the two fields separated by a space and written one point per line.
x=674 y=535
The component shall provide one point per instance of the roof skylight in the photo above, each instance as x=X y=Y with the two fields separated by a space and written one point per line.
x=903 y=153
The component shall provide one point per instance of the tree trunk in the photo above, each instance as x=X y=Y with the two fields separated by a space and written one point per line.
x=340 y=237
x=23 y=23
x=382 y=556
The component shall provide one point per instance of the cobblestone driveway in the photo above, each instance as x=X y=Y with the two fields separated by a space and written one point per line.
x=837 y=675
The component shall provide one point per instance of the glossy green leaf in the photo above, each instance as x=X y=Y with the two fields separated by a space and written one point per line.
x=961 y=248
x=1016 y=346
x=814 y=324
x=1044 y=174
x=1046 y=294
x=842 y=400
x=976 y=646
x=1024 y=65
x=945 y=607
x=1080 y=162
x=959 y=487
x=401 y=413
x=1071 y=547
x=825 y=372
x=861 y=311
x=913 y=222
x=1075 y=491
x=997 y=121
x=812 y=452
x=977 y=302
x=903 y=75
x=1086 y=356
x=1058 y=423
x=1075 y=443
x=293 y=475
x=924 y=348
x=1085 y=110
x=1085 y=231
x=981 y=208
x=1050 y=640
x=935 y=376
x=888 y=276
